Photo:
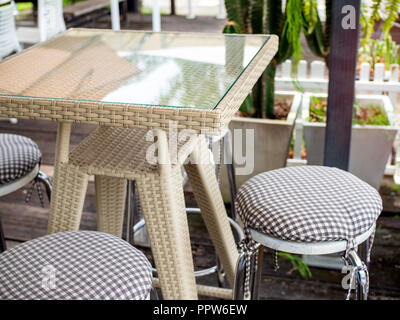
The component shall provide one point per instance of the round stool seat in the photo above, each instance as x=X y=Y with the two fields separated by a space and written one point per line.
x=18 y=157
x=76 y=265
x=308 y=204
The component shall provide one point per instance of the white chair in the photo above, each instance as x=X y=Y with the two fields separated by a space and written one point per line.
x=8 y=36
x=50 y=22
x=50 y=18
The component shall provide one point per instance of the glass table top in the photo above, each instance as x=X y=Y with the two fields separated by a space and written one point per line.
x=183 y=70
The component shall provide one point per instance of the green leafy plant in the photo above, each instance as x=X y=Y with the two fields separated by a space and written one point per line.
x=267 y=17
x=297 y=263
x=384 y=50
x=392 y=10
x=363 y=115
x=317 y=34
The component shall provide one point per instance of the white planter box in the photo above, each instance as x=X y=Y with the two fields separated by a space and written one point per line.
x=370 y=146
x=271 y=141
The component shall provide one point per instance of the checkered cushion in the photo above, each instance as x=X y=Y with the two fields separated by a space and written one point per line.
x=308 y=204
x=76 y=265
x=18 y=156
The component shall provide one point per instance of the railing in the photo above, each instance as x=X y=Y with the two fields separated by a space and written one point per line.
x=374 y=81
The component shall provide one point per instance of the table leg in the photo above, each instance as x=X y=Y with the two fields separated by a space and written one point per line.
x=110 y=204
x=62 y=142
x=204 y=183
x=69 y=187
x=163 y=205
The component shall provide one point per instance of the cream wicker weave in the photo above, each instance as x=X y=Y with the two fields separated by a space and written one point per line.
x=107 y=78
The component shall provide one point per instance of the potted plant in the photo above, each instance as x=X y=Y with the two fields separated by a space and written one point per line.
x=372 y=136
x=368 y=135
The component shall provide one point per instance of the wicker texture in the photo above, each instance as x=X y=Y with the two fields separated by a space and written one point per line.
x=208 y=196
x=203 y=290
x=110 y=204
x=163 y=204
x=121 y=152
x=67 y=198
x=243 y=86
x=113 y=114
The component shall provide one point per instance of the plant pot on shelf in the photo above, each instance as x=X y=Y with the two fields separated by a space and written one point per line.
x=370 y=145
x=271 y=142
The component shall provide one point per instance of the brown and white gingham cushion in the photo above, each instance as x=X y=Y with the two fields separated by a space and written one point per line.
x=308 y=204
x=18 y=156
x=87 y=264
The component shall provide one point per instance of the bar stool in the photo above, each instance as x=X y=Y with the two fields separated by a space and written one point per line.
x=75 y=265
x=306 y=210
x=19 y=165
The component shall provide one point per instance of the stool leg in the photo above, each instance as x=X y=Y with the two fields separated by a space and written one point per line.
x=230 y=168
x=67 y=199
x=3 y=246
x=257 y=276
x=129 y=212
x=202 y=178
x=163 y=206
x=110 y=204
x=238 y=288
x=363 y=249
x=362 y=284
x=46 y=181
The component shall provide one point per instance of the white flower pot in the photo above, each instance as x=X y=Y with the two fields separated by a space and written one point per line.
x=271 y=142
x=370 y=146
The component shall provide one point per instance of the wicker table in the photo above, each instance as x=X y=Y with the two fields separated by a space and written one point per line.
x=142 y=81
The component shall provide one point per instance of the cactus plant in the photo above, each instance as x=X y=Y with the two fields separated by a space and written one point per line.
x=317 y=35
x=266 y=16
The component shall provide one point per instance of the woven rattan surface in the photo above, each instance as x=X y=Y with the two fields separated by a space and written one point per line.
x=125 y=153
x=88 y=77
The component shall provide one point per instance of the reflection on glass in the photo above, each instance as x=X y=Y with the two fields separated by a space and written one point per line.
x=161 y=69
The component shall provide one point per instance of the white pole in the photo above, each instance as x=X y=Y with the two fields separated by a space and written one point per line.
x=221 y=10
x=190 y=14
x=115 y=21
x=156 y=16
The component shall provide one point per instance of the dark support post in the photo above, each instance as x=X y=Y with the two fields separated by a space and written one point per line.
x=173 y=10
x=133 y=6
x=342 y=71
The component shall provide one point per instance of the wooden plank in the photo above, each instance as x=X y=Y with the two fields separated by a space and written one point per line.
x=22 y=222
x=342 y=71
